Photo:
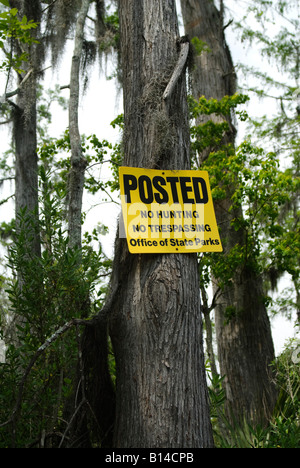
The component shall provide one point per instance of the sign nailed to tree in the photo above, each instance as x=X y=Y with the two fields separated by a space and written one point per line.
x=168 y=211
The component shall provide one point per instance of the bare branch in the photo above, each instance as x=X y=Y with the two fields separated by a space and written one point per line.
x=6 y=122
x=185 y=47
x=16 y=91
x=49 y=6
x=78 y=162
x=2 y=202
x=67 y=326
x=6 y=178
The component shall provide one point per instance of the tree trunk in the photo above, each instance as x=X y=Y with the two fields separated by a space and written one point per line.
x=25 y=123
x=245 y=345
x=155 y=322
x=26 y=162
x=78 y=162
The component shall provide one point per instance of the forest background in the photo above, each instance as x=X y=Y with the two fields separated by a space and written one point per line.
x=109 y=94
x=95 y=121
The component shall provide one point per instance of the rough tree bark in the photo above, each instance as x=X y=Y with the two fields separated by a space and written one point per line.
x=26 y=160
x=245 y=345
x=154 y=314
x=78 y=162
x=25 y=122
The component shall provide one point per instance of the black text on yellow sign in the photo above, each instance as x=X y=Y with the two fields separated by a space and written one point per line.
x=168 y=211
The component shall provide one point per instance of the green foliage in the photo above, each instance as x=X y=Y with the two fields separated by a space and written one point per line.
x=210 y=134
x=212 y=106
x=111 y=37
x=279 y=130
x=199 y=46
x=217 y=396
x=45 y=100
x=284 y=428
x=44 y=293
x=13 y=29
x=117 y=155
x=256 y=184
x=278 y=45
x=55 y=153
x=253 y=180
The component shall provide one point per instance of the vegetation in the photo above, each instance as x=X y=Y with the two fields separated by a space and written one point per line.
x=14 y=29
x=50 y=301
x=283 y=430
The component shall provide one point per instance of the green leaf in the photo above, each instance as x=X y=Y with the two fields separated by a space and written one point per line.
x=5 y=2
x=200 y=46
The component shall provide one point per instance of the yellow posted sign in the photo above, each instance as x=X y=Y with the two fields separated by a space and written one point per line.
x=168 y=211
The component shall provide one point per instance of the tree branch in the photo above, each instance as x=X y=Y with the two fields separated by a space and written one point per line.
x=16 y=91
x=40 y=351
x=184 y=52
x=6 y=95
x=48 y=6
x=78 y=162
x=6 y=178
x=6 y=122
